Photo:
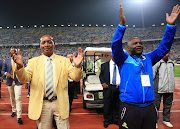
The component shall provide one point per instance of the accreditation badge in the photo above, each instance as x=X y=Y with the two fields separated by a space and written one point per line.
x=145 y=81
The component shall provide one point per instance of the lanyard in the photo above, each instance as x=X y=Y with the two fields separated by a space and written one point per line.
x=139 y=61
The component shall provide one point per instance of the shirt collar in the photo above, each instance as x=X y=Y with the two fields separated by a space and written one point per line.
x=46 y=58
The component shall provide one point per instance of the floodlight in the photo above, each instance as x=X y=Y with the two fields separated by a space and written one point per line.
x=134 y=26
x=89 y=24
x=63 y=25
x=7 y=27
x=49 y=25
x=82 y=25
x=162 y=24
x=68 y=25
x=1 y=27
x=14 y=26
x=126 y=25
x=111 y=25
x=55 y=25
x=96 y=25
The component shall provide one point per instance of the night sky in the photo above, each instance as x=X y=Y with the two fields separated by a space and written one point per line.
x=31 y=12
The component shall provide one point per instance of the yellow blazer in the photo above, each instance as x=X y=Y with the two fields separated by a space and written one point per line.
x=35 y=72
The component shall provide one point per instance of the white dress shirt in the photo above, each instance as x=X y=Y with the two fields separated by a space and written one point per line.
x=111 y=67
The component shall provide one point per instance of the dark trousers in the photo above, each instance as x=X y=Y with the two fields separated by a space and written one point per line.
x=134 y=117
x=167 y=103
x=111 y=104
x=71 y=87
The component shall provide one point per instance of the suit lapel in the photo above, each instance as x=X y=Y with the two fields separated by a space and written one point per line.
x=58 y=64
x=41 y=69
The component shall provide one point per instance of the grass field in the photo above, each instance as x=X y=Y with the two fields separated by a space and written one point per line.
x=177 y=71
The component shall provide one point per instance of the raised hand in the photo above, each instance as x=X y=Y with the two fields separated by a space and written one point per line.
x=174 y=15
x=121 y=16
x=77 y=60
x=18 y=59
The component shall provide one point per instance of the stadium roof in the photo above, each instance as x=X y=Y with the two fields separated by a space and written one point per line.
x=82 y=12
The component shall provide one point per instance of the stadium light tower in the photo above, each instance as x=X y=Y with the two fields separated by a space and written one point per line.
x=142 y=15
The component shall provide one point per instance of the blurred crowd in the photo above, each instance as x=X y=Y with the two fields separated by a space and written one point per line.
x=68 y=39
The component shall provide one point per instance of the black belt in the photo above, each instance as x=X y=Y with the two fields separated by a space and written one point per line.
x=53 y=98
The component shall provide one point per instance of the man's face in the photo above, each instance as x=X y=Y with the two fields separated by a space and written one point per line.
x=135 y=46
x=47 y=45
x=13 y=51
x=70 y=56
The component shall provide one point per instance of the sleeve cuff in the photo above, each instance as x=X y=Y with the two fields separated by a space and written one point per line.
x=121 y=26
x=171 y=25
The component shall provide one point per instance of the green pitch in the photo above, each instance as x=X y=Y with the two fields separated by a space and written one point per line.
x=177 y=71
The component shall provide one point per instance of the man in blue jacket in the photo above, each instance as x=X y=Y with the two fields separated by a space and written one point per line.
x=136 y=88
x=14 y=86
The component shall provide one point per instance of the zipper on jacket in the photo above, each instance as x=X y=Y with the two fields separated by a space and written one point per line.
x=126 y=86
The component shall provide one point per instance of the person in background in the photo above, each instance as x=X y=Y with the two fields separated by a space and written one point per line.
x=71 y=85
x=137 y=110
x=110 y=80
x=49 y=75
x=164 y=85
x=14 y=86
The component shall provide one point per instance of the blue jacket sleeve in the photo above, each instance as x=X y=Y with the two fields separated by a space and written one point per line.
x=117 y=50
x=164 y=45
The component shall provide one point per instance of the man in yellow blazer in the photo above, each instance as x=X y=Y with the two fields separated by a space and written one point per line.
x=45 y=103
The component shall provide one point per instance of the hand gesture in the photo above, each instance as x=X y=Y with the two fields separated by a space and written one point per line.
x=18 y=59
x=104 y=85
x=121 y=16
x=174 y=15
x=8 y=75
x=77 y=60
x=1 y=79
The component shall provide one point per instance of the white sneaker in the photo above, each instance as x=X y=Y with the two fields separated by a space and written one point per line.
x=168 y=124
x=156 y=126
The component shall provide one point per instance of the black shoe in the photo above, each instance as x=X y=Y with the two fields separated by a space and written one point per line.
x=20 y=121
x=13 y=114
x=106 y=124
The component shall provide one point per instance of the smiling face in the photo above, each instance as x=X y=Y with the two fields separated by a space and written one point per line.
x=135 y=46
x=47 y=45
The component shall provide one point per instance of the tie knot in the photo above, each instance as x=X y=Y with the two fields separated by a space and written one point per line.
x=49 y=59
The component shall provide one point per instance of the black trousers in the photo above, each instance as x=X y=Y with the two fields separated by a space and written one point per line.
x=134 y=117
x=167 y=103
x=111 y=104
x=71 y=88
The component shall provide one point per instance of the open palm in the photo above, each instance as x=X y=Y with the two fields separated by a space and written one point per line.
x=174 y=15
x=77 y=60
x=18 y=59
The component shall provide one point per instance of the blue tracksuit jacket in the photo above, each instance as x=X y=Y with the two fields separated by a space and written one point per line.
x=131 y=89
